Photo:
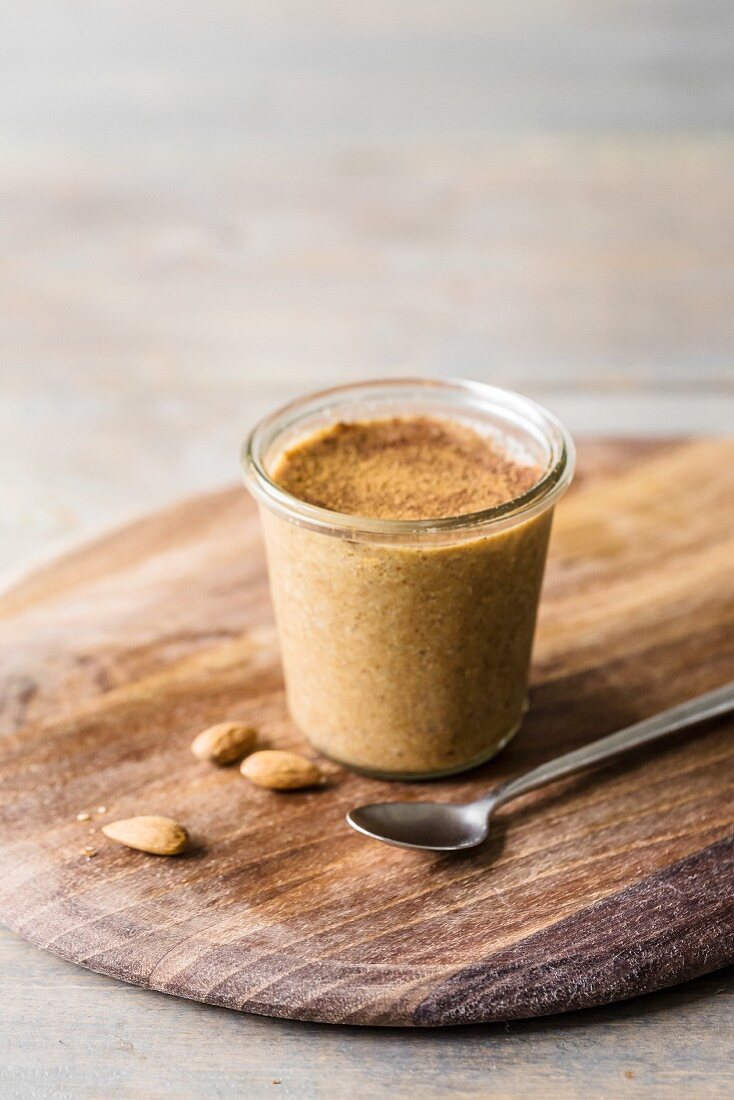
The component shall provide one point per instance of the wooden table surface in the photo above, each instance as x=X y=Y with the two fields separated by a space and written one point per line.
x=207 y=207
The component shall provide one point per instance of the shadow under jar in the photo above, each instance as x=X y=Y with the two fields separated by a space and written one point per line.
x=406 y=643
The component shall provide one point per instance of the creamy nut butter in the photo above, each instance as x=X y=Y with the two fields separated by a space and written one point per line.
x=406 y=527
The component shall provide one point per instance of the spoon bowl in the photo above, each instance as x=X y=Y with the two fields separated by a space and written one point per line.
x=430 y=826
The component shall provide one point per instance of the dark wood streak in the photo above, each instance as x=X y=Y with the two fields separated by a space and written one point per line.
x=598 y=888
x=672 y=926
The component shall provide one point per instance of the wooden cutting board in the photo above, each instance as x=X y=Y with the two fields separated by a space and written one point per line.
x=596 y=889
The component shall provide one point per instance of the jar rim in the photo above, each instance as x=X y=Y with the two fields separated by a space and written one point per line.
x=553 y=481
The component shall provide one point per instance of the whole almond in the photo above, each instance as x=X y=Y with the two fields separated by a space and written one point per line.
x=160 y=836
x=224 y=743
x=280 y=771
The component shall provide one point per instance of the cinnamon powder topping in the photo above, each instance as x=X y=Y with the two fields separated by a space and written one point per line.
x=402 y=468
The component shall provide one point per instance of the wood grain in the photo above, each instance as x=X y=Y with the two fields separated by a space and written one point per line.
x=592 y=890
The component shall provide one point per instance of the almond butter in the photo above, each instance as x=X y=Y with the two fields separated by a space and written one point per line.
x=280 y=771
x=160 y=836
x=224 y=743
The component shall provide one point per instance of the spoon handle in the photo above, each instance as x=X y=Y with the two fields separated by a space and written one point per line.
x=642 y=733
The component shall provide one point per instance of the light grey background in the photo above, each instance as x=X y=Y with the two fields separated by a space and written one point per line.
x=208 y=207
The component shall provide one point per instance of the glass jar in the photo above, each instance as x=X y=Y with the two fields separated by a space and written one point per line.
x=406 y=644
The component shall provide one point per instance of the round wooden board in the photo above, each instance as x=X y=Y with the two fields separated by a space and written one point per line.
x=596 y=889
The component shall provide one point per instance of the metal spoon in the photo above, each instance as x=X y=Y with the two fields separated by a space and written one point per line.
x=443 y=827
